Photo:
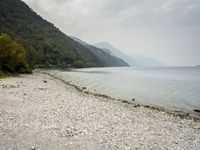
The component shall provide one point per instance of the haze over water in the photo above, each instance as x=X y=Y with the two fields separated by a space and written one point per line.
x=175 y=88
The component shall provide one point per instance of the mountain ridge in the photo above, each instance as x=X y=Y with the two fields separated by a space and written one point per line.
x=101 y=52
x=116 y=52
x=131 y=59
x=45 y=44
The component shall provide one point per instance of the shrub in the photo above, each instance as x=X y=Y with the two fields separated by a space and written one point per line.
x=78 y=64
x=12 y=56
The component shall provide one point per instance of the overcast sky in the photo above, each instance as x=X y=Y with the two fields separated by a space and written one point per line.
x=165 y=29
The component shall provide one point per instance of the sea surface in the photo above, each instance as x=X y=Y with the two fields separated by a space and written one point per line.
x=174 y=88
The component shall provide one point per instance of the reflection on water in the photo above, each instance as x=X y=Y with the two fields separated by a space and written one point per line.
x=174 y=88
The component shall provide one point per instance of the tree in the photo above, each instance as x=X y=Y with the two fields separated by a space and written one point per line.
x=12 y=56
x=78 y=64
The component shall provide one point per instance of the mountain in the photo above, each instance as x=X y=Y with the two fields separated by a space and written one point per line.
x=79 y=40
x=116 y=52
x=144 y=61
x=132 y=60
x=85 y=43
x=46 y=45
x=104 y=55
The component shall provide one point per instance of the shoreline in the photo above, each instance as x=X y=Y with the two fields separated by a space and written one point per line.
x=177 y=113
x=42 y=112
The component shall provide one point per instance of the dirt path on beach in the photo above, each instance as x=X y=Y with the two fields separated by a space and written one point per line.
x=40 y=112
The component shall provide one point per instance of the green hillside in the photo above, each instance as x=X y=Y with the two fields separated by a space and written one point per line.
x=46 y=45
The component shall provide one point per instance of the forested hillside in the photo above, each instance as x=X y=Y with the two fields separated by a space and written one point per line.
x=46 y=45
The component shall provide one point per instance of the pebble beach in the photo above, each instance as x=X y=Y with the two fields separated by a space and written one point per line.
x=39 y=111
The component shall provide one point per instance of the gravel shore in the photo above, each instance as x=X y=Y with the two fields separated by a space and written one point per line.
x=40 y=112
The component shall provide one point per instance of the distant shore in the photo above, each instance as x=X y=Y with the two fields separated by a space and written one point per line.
x=42 y=112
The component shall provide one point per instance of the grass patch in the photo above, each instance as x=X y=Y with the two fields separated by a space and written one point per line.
x=3 y=75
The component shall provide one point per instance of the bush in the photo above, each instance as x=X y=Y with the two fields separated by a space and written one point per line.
x=12 y=56
x=78 y=64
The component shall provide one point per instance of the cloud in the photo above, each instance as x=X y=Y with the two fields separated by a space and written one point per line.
x=168 y=30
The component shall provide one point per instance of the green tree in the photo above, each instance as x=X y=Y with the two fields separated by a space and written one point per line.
x=12 y=56
x=78 y=64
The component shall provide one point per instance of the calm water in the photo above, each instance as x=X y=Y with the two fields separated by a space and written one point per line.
x=176 y=88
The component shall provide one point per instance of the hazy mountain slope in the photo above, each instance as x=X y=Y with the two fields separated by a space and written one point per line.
x=106 y=58
x=133 y=60
x=45 y=45
x=104 y=55
x=116 y=52
x=143 y=61
x=78 y=40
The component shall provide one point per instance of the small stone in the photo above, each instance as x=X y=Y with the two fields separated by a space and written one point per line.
x=42 y=89
x=197 y=110
x=11 y=118
x=125 y=101
x=12 y=86
x=141 y=143
x=175 y=142
x=4 y=86
x=32 y=148
x=137 y=105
